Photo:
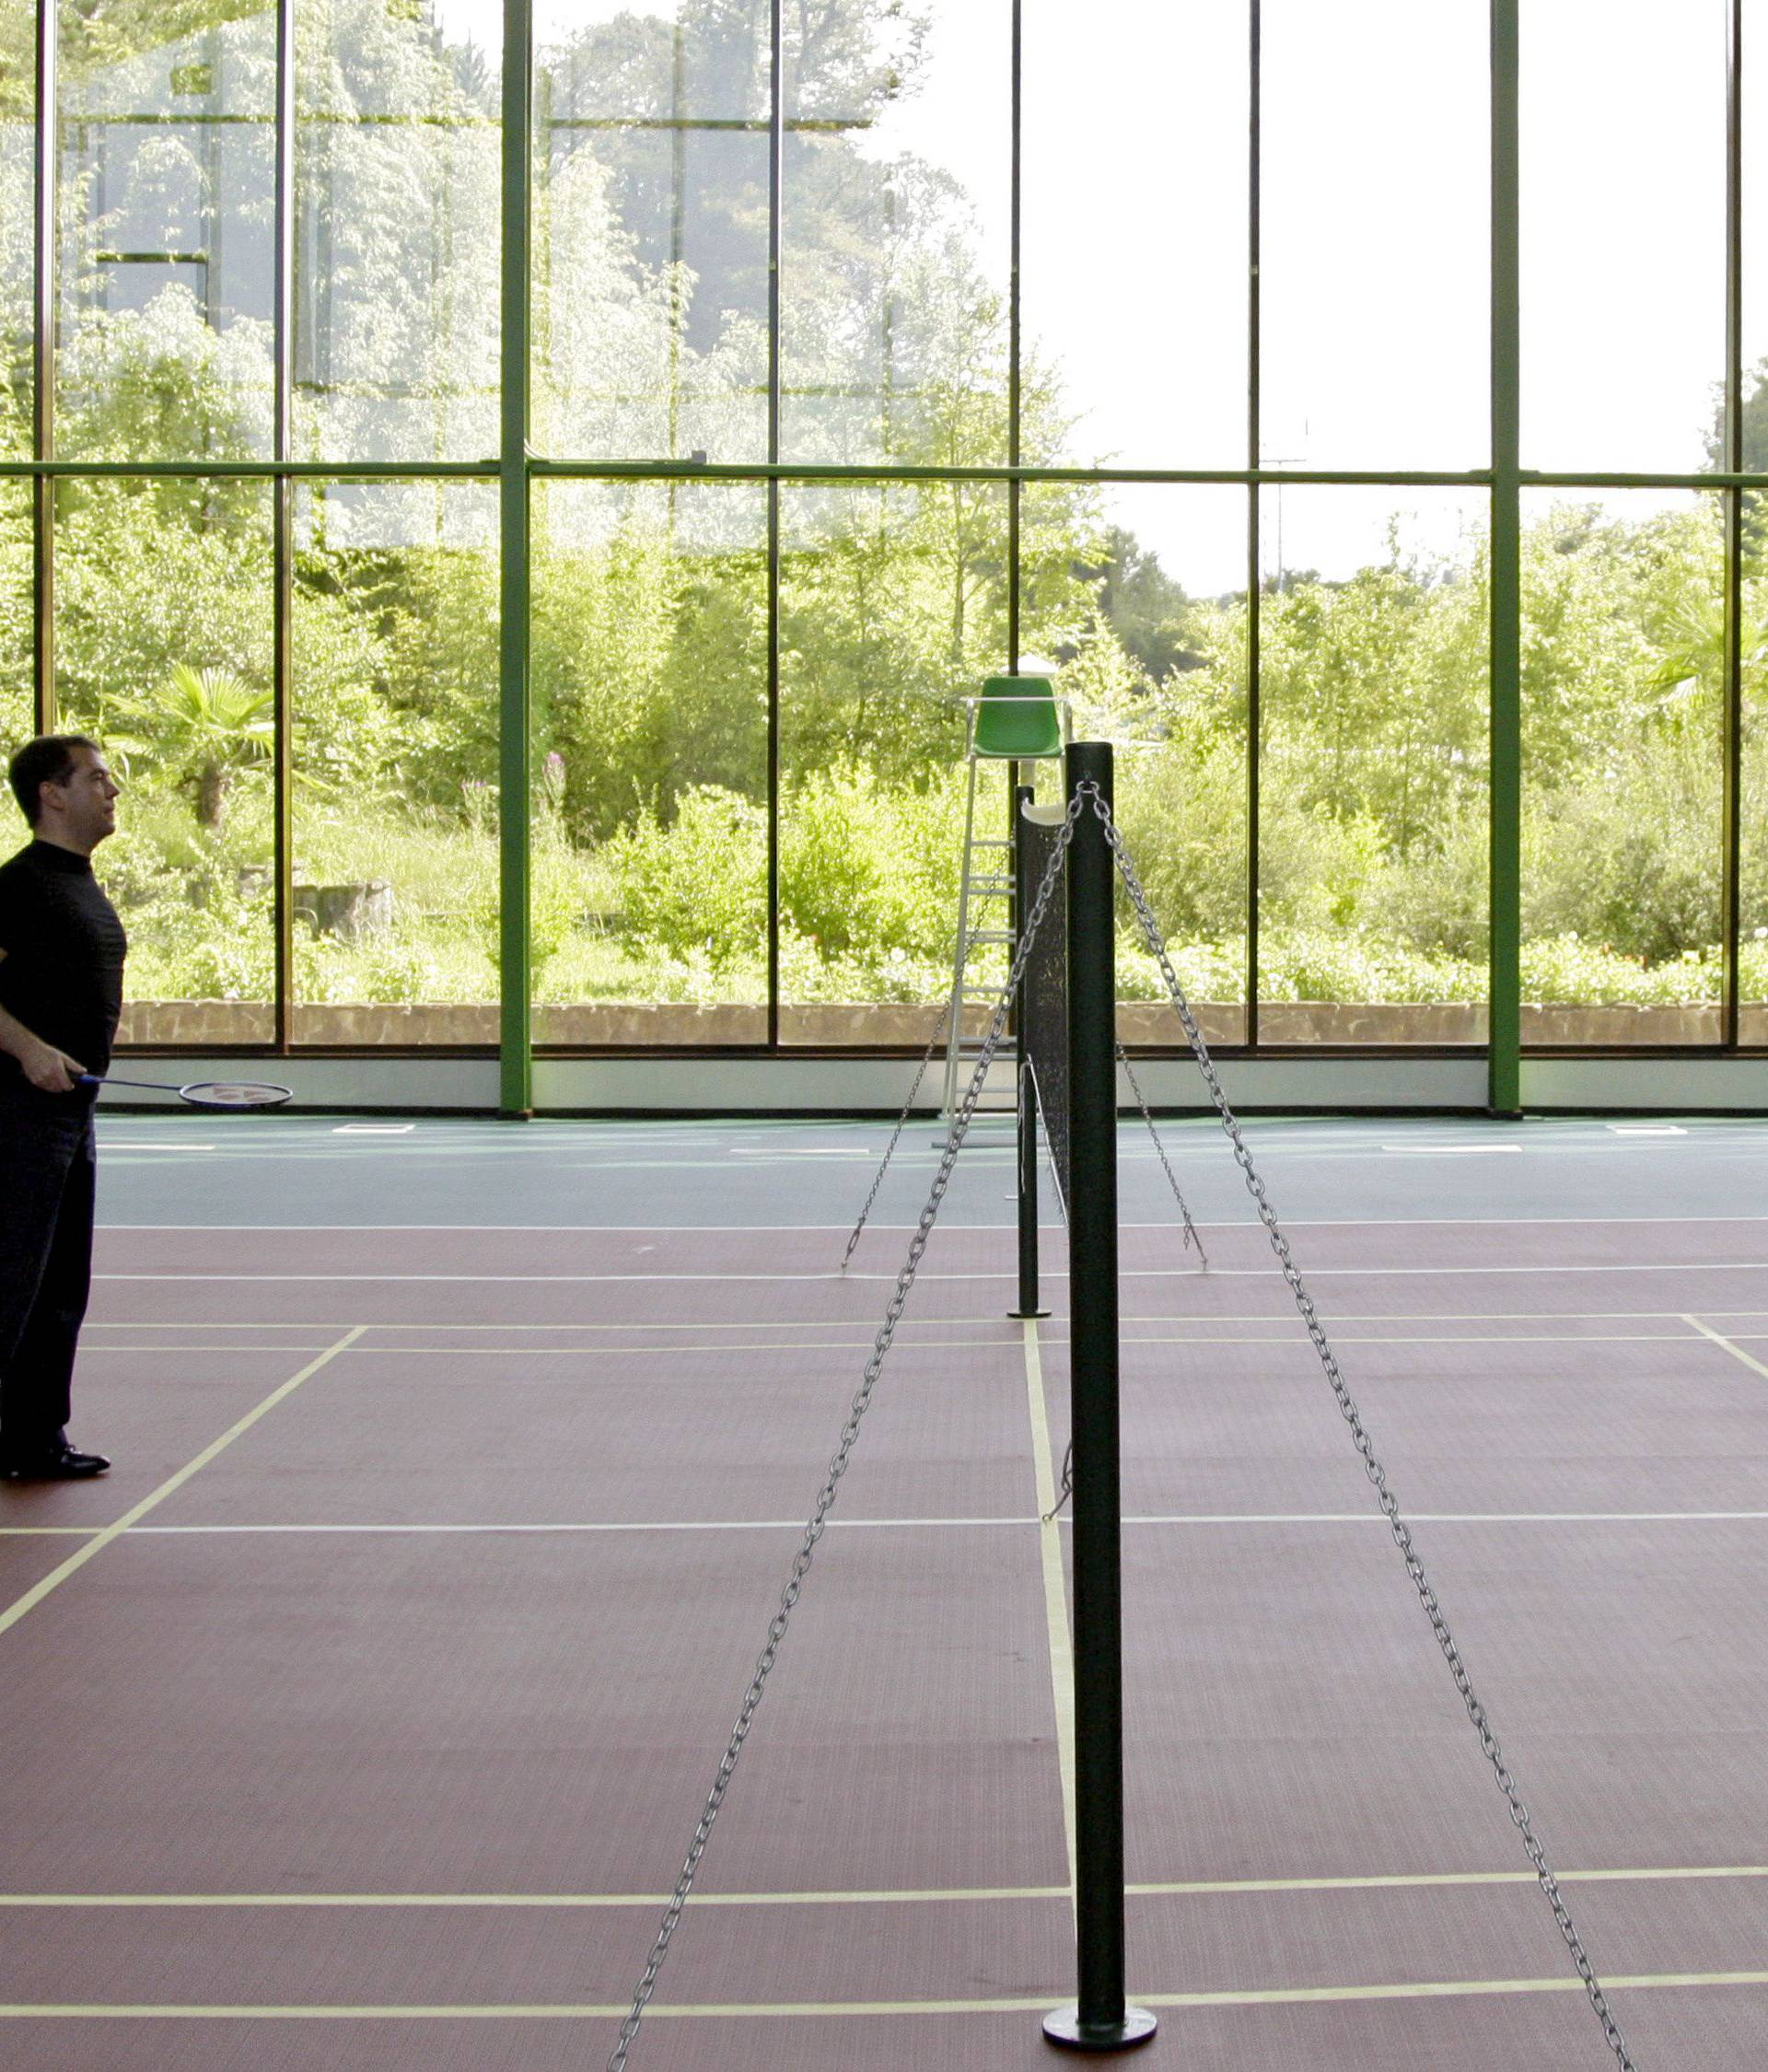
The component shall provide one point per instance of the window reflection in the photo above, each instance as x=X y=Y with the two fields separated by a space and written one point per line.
x=167 y=189
x=651 y=231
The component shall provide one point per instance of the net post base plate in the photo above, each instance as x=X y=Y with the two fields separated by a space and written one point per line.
x=1068 y=2032
x=1025 y=1316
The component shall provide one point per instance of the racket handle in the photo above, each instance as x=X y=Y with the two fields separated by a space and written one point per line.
x=88 y=1079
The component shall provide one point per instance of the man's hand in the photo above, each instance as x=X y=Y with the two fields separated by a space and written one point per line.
x=49 y=1070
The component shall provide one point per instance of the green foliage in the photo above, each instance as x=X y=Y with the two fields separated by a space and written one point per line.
x=697 y=886
x=649 y=639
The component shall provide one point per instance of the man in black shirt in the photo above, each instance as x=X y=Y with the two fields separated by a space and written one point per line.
x=61 y=949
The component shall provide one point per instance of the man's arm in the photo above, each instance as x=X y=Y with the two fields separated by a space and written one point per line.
x=47 y=1069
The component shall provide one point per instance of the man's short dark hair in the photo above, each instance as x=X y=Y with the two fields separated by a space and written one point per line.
x=49 y=759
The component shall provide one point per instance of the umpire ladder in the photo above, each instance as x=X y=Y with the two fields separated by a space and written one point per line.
x=1017 y=719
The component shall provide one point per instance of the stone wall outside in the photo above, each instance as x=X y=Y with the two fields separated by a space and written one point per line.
x=197 y=1025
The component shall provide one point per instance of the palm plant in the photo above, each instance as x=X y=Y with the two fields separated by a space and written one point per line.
x=213 y=723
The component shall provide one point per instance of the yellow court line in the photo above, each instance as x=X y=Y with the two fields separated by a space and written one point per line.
x=772 y=1323
x=1426 y=1338
x=599 y=1352
x=102 y=1539
x=1214 y=1888
x=1055 y=1594
x=736 y=2010
x=663 y=1352
x=1736 y=1352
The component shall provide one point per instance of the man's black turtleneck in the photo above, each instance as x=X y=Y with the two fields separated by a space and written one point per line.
x=62 y=975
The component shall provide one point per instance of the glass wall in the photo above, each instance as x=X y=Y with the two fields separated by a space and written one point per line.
x=166 y=192
x=650 y=821
x=17 y=222
x=397 y=154
x=17 y=701
x=393 y=885
x=651 y=194
x=877 y=347
x=892 y=609
x=1623 y=702
x=1374 y=825
x=1623 y=142
x=1374 y=233
x=163 y=650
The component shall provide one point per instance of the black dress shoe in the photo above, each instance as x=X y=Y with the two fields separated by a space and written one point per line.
x=54 y=1461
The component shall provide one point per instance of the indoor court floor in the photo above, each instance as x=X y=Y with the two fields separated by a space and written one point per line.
x=361 y=1717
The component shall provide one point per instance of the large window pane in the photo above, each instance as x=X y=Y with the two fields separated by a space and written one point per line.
x=651 y=229
x=1622 y=234
x=1375 y=234
x=1134 y=598
x=893 y=608
x=397 y=158
x=395 y=778
x=1754 y=281
x=1752 y=904
x=1623 y=713
x=17 y=703
x=1146 y=366
x=1373 y=787
x=163 y=652
x=650 y=815
x=17 y=207
x=895 y=251
x=167 y=226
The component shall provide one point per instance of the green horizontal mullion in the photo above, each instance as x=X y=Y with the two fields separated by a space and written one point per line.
x=260 y=471
x=805 y=471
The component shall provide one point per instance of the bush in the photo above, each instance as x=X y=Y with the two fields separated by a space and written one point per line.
x=696 y=886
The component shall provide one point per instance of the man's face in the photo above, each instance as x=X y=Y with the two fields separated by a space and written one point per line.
x=86 y=804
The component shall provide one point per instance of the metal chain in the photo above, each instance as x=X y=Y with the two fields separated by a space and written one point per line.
x=1066 y=1490
x=941 y=1021
x=1172 y=1178
x=813 y=1531
x=1372 y=1467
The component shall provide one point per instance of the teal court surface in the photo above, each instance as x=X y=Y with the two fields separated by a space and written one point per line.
x=362 y=1715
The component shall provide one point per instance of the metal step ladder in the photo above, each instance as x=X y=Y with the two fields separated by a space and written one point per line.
x=1017 y=719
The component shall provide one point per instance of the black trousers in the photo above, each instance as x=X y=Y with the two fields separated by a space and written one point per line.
x=48 y=1168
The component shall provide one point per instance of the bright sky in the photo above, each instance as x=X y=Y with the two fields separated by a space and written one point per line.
x=1375 y=236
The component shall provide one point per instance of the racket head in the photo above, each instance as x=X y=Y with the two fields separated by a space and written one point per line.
x=234 y=1093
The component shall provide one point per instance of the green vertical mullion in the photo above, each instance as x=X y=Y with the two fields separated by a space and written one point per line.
x=282 y=533
x=1254 y=315
x=775 y=233
x=516 y=1050
x=1014 y=488
x=1731 y=748
x=43 y=375
x=1505 y=1061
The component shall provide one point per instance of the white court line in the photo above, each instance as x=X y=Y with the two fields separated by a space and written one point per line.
x=612 y=1526
x=888 y=1896
x=696 y=1351
x=739 y=2011
x=1317 y=1273
x=1443 y=1150
x=832 y=1323
x=106 y=1534
x=1235 y=1223
x=128 y=1150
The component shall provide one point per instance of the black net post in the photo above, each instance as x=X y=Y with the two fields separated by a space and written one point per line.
x=1099 y=2021
x=1024 y=888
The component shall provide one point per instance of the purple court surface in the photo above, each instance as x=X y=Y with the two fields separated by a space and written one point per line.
x=361 y=1717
